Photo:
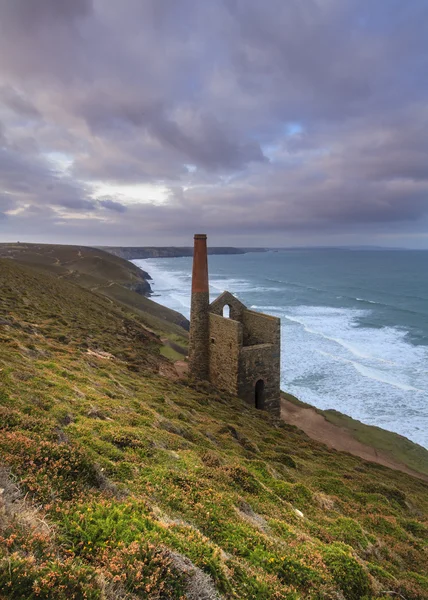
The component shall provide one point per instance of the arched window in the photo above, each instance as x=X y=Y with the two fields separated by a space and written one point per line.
x=226 y=311
x=259 y=394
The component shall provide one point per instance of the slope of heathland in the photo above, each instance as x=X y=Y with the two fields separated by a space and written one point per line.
x=105 y=274
x=118 y=482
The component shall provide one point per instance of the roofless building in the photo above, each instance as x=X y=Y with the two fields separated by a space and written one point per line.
x=236 y=349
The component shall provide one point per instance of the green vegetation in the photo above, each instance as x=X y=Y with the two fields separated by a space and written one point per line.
x=395 y=445
x=348 y=573
x=103 y=274
x=390 y=444
x=119 y=483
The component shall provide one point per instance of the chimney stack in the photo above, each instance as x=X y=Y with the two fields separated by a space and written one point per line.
x=199 y=315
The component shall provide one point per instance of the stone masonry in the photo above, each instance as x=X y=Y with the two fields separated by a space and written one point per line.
x=239 y=354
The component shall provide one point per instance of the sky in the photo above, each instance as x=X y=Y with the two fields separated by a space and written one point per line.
x=274 y=123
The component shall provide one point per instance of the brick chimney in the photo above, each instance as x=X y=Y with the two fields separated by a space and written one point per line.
x=199 y=316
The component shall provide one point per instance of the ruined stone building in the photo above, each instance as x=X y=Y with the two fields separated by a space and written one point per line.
x=236 y=349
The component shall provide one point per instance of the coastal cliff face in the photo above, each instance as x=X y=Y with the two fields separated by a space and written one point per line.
x=131 y=253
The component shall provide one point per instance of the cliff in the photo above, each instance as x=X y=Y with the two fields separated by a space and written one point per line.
x=132 y=253
x=118 y=481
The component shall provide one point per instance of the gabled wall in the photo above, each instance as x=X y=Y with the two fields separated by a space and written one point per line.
x=225 y=341
x=244 y=349
x=226 y=298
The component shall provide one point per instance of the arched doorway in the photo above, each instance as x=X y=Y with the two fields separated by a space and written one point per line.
x=259 y=393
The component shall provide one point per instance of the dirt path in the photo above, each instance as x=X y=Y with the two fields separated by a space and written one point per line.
x=101 y=286
x=318 y=428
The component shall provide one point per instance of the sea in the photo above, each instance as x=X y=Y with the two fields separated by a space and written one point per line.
x=354 y=324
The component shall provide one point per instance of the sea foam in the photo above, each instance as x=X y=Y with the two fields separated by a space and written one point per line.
x=331 y=356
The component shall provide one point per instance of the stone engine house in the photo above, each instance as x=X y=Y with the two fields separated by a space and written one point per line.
x=236 y=349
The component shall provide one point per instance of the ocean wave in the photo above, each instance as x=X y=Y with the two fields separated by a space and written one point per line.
x=263 y=308
x=373 y=373
x=391 y=293
x=388 y=345
x=318 y=290
x=296 y=285
x=237 y=286
x=387 y=305
x=384 y=378
x=308 y=329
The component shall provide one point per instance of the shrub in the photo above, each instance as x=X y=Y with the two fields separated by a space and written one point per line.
x=90 y=526
x=347 y=572
x=349 y=531
x=416 y=528
x=334 y=486
x=143 y=569
x=243 y=479
x=23 y=577
x=294 y=572
x=296 y=493
x=391 y=493
x=49 y=470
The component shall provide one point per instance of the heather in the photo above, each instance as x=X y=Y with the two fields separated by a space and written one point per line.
x=120 y=481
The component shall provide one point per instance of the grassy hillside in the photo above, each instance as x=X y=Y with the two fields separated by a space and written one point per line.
x=393 y=444
x=385 y=443
x=105 y=274
x=79 y=260
x=119 y=483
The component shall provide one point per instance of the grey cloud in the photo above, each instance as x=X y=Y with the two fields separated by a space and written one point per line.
x=207 y=144
x=26 y=13
x=112 y=205
x=18 y=103
x=6 y=202
x=202 y=98
x=201 y=139
x=30 y=180
x=76 y=204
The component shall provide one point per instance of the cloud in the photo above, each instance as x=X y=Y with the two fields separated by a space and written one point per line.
x=17 y=103
x=303 y=119
x=24 y=13
x=112 y=205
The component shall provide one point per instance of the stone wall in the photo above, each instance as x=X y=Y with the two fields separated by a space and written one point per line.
x=260 y=362
x=236 y=307
x=225 y=340
x=260 y=328
x=244 y=349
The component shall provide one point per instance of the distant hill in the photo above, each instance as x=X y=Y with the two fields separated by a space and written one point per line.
x=105 y=274
x=135 y=252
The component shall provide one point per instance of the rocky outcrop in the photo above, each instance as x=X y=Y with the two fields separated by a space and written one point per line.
x=140 y=287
